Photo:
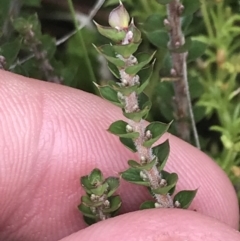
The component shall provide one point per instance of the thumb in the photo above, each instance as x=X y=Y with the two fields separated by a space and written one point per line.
x=159 y=225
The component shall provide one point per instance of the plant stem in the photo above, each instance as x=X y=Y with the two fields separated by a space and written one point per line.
x=183 y=106
x=82 y=43
x=145 y=153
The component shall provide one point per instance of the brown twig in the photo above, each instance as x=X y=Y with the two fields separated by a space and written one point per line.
x=182 y=100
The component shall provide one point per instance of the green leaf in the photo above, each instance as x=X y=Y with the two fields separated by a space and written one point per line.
x=162 y=152
x=109 y=94
x=184 y=48
x=164 y=2
x=100 y=190
x=95 y=177
x=108 y=52
x=88 y=202
x=143 y=59
x=32 y=3
x=86 y=211
x=159 y=38
x=126 y=50
x=86 y=183
x=119 y=128
x=133 y=175
x=171 y=182
x=146 y=166
x=157 y=129
x=185 y=22
x=128 y=143
x=154 y=22
x=10 y=50
x=111 y=33
x=147 y=205
x=115 y=204
x=197 y=49
x=89 y=221
x=114 y=70
x=136 y=33
x=125 y=90
x=144 y=77
x=190 y=6
x=185 y=198
x=113 y=184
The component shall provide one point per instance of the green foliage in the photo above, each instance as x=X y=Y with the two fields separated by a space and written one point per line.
x=99 y=202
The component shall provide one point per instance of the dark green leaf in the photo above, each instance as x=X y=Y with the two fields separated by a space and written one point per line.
x=113 y=184
x=185 y=22
x=125 y=90
x=111 y=33
x=114 y=70
x=115 y=204
x=185 y=198
x=162 y=152
x=89 y=221
x=88 y=202
x=147 y=205
x=159 y=38
x=157 y=129
x=136 y=33
x=100 y=190
x=146 y=166
x=10 y=50
x=86 y=211
x=86 y=183
x=197 y=49
x=143 y=60
x=190 y=6
x=109 y=94
x=154 y=22
x=119 y=128
x=108 y=52
x=32 y=3
x=171 y=182
x=128 y=143
x=144 y=77
x=133 y=175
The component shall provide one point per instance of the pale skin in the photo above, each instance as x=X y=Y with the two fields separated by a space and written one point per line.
x=51 y=135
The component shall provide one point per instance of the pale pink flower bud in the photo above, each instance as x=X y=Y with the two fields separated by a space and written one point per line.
x=119 y=17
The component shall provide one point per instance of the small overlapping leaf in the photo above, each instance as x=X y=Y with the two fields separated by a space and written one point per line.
x=88 y=202
x=108 y=52
x=86 y=211
x=95 y=177
x=114 y=70
x=128 y=142
x=158 y=38
x=113 y=184
x=185 y=198
x=136 y=33
x=147 y=205
x=143 y=59
x=119 y=128
x=126 y=50
x=115 y=204
x=116 y=35
x=162 y=152
x=157 y=129
x=145 y=166
x=109 y=94
x=100 y=190
x=144 y=77
x=171 y=182
x=133 y=175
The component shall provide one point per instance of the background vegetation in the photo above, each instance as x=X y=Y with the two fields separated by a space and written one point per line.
x=30 y=31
